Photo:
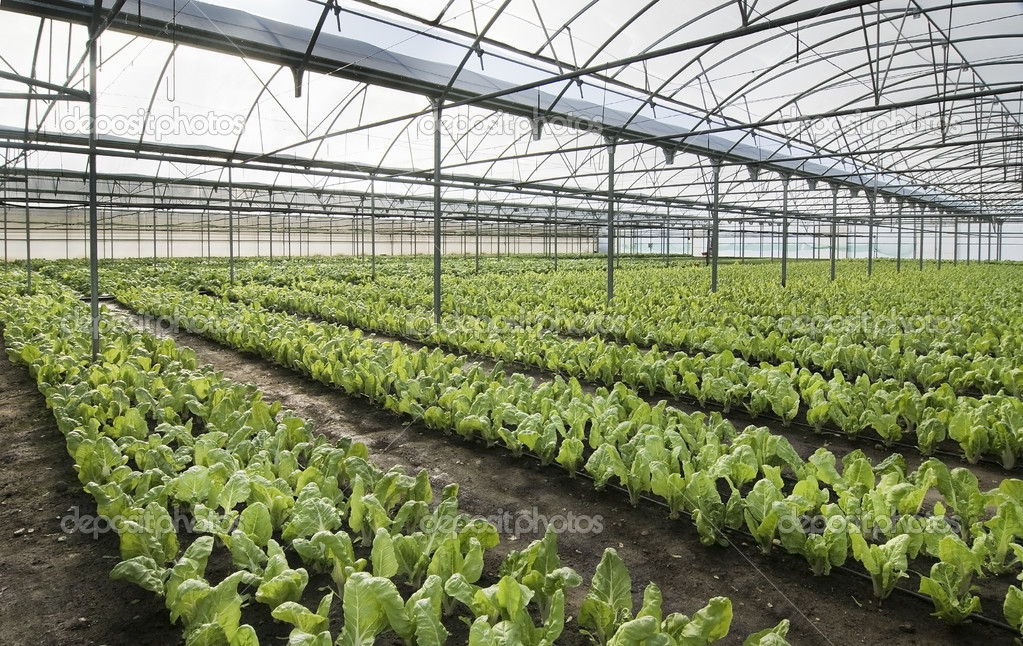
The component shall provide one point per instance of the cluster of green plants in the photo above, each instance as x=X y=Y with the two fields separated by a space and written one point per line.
x=150 y=431
x=878 y=514
x=991 y=425
x=907 y=327
x=987 y=426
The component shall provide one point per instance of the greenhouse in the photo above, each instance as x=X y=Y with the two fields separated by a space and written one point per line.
x=511 y=322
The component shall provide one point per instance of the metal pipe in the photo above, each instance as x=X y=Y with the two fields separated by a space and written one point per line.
x=230 y=222
x=990 y=233
x=898 y=244
x=923 y=247
x=94 y=31
x=28 y=223
x=785 y=230
x=1000 y=227
x=968 y=250
x=555 y=231
x=955 y=241
x=834 y=229
x=872 y=200
x=980 y=238
x=610 y=220
x=6 y=260
x=477 y=209
x=665 y=239
x=437 y=115
x=373 y=228
x=716 y=215
x=941 y=221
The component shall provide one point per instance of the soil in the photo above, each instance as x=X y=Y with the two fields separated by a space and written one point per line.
x=55 y=586
x=45 y=585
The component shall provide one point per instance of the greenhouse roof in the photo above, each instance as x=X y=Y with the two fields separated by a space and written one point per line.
x=916 y=100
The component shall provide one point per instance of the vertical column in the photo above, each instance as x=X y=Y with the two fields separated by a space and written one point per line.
x=611 y=219
x=990 y=235
x=716 y=226
x=666 y=239
x=898 y=243
x=67 y=231
x=156 y=228
x=872 y=201
x=28 y=219
x=477 y=209
x=373 y=228
x=94 y=26
x=1000 y=239
x=230 y=223
x=941 y=221
x=437 y=107
x=785 y=231
x=922 y=246
x=555 y=232
x=742 y=238
x=955 y=241
x=834 y=229
x=968 y=250
x=980 y=240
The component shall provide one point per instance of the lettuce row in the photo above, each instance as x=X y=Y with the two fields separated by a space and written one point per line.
x=991 y=425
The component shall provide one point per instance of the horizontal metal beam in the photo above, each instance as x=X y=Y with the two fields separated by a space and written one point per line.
x=80 y=95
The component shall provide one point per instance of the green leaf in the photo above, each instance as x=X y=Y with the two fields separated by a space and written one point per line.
x=385 y=564
x=234 y=492
x=429 y=630
x=245 y=554
x=310 y=516
x=256 y=524
x=945 y=586
x=143 y=572
x=371 y=605
x=771 y=636
x=288 y=585
x=709 y=624
x=1012 y=609
x=303 y=619
x=609 y=597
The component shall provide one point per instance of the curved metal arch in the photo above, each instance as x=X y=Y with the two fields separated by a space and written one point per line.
x=901 y=82
x=475 y=45
x=264 y=89
x=824 y=85
x=156 y=89
x=953 y=44
x=911 y=139
x=658 y=93
x=394 y=142
x=340 y=107
x=715 y=10
x=600 y=48
x=765 y=72
x=828 y=83
x=574 y=168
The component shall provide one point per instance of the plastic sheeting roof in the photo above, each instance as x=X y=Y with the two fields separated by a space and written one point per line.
x=740 y=75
